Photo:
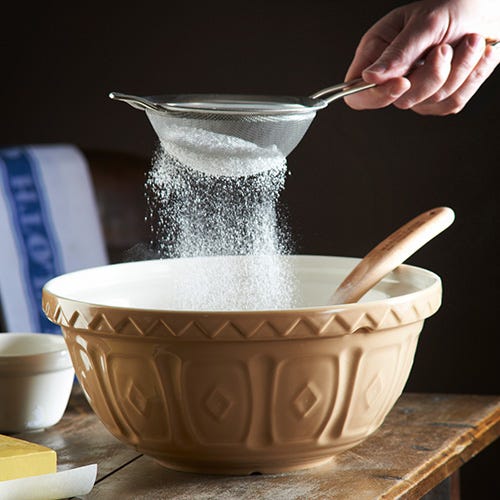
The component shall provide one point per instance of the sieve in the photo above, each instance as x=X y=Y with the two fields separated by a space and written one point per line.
x=255 y=130
x=249 y=133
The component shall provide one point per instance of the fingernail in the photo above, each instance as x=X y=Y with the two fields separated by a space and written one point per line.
x=377 y=68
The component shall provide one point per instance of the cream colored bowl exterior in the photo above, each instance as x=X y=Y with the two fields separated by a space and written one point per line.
x=35 y=383
x=240 y=392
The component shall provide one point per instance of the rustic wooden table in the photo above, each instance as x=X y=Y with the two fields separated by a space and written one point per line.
x=425 y=439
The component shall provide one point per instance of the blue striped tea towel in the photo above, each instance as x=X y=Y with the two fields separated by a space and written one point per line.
x=49 y=225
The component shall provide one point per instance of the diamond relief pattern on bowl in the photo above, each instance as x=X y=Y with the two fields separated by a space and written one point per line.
x=137 y=399
x=306 y=400
x=374 y=388
x=218 y=404
x=304 y=392
x=216 y=398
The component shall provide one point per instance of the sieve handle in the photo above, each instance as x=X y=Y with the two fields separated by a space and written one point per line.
x=141 y=103
x=342 y=90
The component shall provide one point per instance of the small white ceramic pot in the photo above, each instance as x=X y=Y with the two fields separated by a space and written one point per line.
x=36 y=378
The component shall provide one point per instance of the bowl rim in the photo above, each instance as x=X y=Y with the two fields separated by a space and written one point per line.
x=274 y=324
x=437 y=284
x=46 y=361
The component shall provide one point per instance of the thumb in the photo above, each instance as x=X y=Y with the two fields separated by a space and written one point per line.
x=407 y=48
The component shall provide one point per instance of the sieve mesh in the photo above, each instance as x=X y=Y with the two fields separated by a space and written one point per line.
x=283 y=131
x=208 y=137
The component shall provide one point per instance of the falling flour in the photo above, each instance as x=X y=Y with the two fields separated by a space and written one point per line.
x=195 y=213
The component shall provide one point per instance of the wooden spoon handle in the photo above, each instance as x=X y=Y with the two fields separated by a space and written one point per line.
x=392 y=252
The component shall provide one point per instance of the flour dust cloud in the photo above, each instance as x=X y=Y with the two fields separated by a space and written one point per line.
x=235 y=220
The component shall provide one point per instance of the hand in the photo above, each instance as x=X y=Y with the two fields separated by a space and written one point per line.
x=449 y=36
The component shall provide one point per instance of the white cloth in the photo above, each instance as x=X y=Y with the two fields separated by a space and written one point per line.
x=49 y=225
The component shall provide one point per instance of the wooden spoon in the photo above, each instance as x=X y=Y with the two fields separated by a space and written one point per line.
x=392 y=252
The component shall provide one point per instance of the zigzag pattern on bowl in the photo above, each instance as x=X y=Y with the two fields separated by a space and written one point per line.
x=329 y=322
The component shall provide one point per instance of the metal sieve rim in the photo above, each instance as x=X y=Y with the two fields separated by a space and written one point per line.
x=237 y=104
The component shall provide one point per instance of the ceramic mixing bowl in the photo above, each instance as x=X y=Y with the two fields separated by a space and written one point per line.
x=240 y=392
x=36 y=377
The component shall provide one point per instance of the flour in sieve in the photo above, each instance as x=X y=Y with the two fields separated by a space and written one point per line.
x=218 y=154
x=195 y=214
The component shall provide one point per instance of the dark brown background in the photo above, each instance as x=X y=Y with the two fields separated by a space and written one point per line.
x=355 y=177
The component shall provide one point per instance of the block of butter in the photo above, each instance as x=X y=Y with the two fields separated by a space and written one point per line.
x=20 y=458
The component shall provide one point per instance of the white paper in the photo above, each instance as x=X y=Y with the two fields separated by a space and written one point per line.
x=64 y=484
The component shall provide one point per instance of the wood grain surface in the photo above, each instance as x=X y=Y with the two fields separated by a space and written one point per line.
x=424 y=439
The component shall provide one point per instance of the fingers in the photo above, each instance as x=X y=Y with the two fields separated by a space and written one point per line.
x=391 y=49
x=442 y=85
x=467 y=55
x=380 y=96
x=408 y=92
x=421 y=32
x=456 y=101
x=369 y=49
x=428 y=78
x=375 y=41
x=388 y=51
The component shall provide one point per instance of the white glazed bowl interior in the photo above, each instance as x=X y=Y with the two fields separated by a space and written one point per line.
x=157 y=284
x=36 y=378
